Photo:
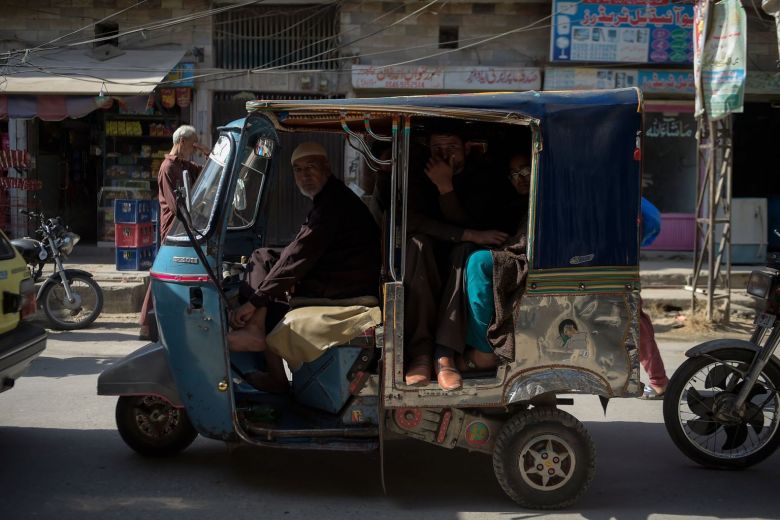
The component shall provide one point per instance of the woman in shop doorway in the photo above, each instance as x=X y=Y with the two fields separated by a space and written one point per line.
x=169 y=179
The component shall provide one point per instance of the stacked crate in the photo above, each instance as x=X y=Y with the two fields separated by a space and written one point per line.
x=134 y=235
x=156 y=225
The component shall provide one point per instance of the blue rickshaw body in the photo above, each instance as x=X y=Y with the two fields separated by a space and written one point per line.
x=583 y=254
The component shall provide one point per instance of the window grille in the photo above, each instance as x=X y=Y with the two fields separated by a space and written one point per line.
x=296 y=37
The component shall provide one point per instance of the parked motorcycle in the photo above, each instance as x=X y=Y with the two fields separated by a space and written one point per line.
x=70 y=298
x=721 y=406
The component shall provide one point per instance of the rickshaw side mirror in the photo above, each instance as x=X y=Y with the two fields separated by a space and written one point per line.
x=264 y=147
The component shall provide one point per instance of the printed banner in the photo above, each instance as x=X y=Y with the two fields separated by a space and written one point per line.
x=649 y=81
x=622 y=31
x=723 y=60
x=700 y=15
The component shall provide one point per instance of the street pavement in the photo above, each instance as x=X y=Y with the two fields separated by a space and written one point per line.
x=61 y=457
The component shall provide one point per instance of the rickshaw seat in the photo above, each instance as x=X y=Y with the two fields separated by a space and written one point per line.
x=326 y=346
x=363 y=301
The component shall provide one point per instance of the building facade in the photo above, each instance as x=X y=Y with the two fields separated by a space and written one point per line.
x=214 y=56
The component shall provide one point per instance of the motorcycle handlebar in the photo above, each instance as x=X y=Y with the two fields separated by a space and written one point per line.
x=30 y=214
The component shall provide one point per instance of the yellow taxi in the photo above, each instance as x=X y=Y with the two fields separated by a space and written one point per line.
x=20 y=342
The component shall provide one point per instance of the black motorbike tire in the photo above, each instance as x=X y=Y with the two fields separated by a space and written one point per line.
x=64 y=325
x=677 y=385
x=128 y=410
x=533 y=426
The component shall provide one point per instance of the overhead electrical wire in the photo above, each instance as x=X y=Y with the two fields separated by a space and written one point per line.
x=153 y=26
x=93 y=24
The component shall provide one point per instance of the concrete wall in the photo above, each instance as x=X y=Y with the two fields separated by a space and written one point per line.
x=418 y=36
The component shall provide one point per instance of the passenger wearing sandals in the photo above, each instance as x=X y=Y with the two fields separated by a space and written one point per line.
x=481 y=354
x=482 y=319
x=455 y=206
x=336 y=255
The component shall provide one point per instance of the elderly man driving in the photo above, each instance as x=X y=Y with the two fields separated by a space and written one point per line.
x=336 y=254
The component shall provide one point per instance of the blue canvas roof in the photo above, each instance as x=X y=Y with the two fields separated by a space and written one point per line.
x=531 y=103
x=589 y=182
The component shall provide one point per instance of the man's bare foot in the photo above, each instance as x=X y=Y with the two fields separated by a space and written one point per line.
x=248 y=339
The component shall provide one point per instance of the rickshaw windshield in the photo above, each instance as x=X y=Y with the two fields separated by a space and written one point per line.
x=203 y=194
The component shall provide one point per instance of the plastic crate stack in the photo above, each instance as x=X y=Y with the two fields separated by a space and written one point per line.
x=156 y=225
x=134 y=236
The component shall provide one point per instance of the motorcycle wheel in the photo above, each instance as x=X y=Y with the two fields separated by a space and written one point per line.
x=699 y=386
x=65 y=315
x=544 y=459
x=152 y=426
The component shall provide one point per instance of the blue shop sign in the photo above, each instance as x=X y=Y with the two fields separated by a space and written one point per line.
x=182 y=74
x=622 y=31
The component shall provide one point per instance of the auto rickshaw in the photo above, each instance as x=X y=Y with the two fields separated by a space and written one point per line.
x=583 y=253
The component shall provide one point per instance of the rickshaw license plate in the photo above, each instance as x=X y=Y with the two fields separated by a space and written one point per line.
x=765 y=320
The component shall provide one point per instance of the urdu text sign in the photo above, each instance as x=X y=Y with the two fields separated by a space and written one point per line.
x=622 y=31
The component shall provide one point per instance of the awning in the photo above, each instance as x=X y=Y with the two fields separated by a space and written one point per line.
x=78 y=72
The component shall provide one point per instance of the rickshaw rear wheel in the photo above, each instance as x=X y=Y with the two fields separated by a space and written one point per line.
x=152 y=426
x=544 y=459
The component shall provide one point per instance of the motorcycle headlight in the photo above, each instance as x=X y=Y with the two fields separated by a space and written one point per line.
x=761 y=281
x=69 y=241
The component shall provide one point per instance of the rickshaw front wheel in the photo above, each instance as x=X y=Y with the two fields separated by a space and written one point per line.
x=152 y=426
x=544 y=459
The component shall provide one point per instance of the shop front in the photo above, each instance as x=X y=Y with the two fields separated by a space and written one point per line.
x=93 y=130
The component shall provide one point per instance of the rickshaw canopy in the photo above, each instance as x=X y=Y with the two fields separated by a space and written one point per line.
x=587 y=192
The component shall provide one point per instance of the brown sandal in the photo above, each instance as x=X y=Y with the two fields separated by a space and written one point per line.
x=448 y=377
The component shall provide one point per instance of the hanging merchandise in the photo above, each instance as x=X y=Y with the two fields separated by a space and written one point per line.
x=150 y=101
x=168 y=97
x=183 y=97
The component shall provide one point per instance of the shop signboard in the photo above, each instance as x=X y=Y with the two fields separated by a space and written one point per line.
x=397 y=78
x=182 y=74
x=457 y=78
x=622 y=31
x=651 y=81
x=723 y=60
x=493 y=78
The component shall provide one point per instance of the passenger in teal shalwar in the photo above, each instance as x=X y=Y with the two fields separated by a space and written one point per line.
x=479 y=280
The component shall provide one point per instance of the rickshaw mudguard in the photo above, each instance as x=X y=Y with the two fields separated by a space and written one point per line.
x=143 y=372
x=188 y=309
x=556 y=381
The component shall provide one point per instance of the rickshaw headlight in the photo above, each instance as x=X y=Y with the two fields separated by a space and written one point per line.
x=760 y=282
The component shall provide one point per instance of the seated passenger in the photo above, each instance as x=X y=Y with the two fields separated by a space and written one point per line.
x=455 y=204
x=479 y=281
x=335 y=255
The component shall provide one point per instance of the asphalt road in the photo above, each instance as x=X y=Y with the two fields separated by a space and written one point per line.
x=60 y=457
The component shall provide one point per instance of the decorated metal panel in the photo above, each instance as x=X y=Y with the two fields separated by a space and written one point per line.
x=586 y=343
x=446 y=427
x=188 y=313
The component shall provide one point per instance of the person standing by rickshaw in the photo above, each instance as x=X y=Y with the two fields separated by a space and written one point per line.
x=169 y=179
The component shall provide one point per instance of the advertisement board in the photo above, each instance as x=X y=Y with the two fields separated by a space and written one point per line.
x=622 y=31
